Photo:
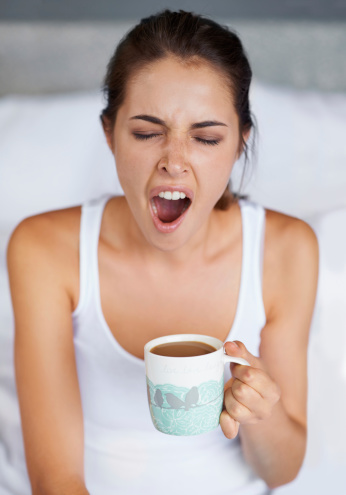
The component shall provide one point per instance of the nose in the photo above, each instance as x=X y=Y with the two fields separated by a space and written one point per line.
x=174 y=160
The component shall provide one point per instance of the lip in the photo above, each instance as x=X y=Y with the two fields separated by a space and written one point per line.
x=168 y=228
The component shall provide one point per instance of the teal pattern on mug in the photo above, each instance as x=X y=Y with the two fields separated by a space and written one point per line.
x=185 y=411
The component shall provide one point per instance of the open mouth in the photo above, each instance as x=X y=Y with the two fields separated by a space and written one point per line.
x=169 y=208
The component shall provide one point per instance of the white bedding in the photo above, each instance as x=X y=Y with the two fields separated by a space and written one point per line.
x=53 y=154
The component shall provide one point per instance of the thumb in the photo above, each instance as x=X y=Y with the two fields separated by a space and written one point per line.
x=238 y=349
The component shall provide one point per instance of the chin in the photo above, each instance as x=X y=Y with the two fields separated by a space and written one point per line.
x=167 y=243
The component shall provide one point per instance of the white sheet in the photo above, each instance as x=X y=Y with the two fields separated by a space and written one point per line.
x=53 y=154
x=325 y=462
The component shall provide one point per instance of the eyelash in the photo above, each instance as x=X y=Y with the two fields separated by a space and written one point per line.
x=211 y=142
x=144 y=137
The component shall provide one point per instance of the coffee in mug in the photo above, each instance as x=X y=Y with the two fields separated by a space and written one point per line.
x=183 y=349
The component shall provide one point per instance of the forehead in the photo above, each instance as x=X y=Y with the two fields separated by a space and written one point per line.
x=179 y=89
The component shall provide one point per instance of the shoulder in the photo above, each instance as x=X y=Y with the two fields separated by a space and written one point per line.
x=45 y=246
x=290 y=257
x=48 y=231
x=289 y=238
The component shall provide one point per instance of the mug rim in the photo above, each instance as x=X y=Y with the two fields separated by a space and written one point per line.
x=183 y=337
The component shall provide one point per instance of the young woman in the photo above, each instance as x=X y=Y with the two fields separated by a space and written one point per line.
x=178 y=253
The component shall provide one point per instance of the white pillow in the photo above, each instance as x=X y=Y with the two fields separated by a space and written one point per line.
x=301 y=167
x=53 y=154
x=324 y=466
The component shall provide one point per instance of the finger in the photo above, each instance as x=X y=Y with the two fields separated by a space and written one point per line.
x=228 y=384
x=238 y=349
x=254 y=375
x=259 y=380
x=229 y=426
x=245 y=394
x=238 y=411
x=259 y=408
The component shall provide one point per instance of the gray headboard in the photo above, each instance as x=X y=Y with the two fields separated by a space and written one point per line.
x=45 y=56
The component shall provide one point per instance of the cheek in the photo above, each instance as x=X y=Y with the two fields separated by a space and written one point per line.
x=129 y=177
x=133 y=173
x=218 y=171
x=126 y=161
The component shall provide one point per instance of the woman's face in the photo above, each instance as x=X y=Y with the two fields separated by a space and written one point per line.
x=175 y=141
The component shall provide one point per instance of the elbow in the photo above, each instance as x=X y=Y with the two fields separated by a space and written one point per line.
x=272 y=485
x=71 y=485
x=284 y=479
x=291 y=465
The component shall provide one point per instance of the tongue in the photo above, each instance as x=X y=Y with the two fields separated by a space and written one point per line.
x=169 y=210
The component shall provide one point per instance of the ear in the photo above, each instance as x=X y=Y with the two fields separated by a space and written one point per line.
x=246 y=135
x=243 y=141
x=108 y=132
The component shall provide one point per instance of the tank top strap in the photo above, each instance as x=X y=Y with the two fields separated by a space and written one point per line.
x=90 y=224
x=250 y=316
x=253 y=238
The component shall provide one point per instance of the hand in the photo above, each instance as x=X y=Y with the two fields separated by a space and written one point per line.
x=250 y=394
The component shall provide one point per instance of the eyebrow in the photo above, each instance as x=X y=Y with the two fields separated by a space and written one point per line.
x=197 y=125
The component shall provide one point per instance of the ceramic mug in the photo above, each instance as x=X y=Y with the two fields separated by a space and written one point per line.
x=185 y=394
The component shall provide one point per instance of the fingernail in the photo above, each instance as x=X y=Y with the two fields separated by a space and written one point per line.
x=234 y=343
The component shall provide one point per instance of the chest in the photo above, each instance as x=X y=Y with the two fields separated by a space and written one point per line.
x=140 y=304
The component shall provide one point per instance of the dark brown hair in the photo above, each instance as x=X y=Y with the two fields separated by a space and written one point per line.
x=189 y=37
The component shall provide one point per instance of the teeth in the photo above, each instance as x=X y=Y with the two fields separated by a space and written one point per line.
x=153 y=205
x=172 y=195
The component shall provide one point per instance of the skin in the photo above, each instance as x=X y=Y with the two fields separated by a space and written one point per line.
x=175 y=155
x=265 y=403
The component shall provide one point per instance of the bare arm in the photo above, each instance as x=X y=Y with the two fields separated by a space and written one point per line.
x=269 y=400
x=38 y=261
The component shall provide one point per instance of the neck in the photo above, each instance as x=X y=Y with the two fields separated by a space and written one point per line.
x=203 y=245
x=195 y=250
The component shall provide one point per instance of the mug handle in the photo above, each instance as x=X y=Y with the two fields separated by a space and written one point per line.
x=237 y=360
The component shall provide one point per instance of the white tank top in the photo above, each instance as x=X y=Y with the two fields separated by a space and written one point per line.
x=124 y=454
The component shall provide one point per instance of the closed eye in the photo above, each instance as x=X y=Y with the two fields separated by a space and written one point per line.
x=143 y=137
x=211 y=142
